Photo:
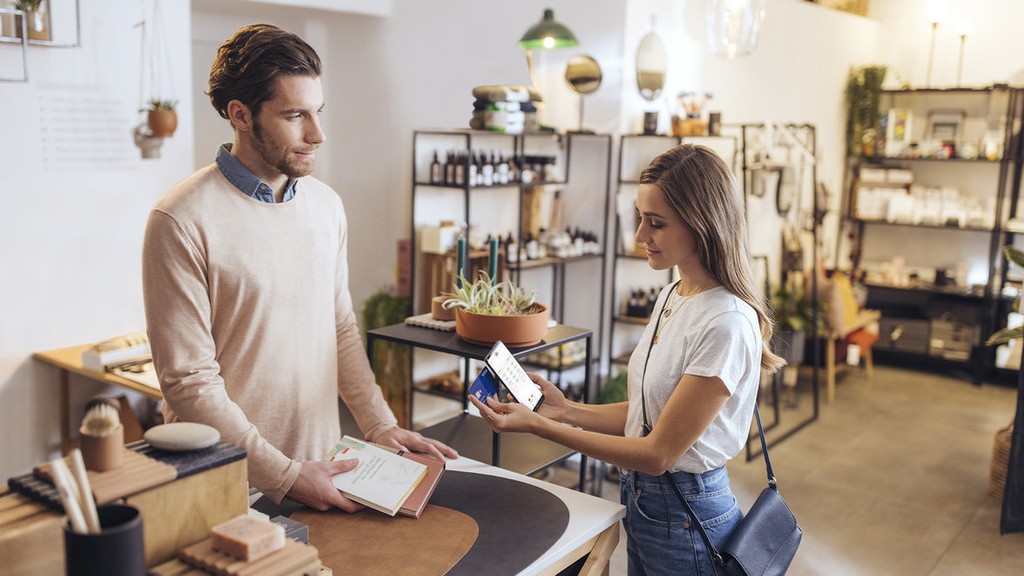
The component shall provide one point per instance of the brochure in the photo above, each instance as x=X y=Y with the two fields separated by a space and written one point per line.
x=383 y=480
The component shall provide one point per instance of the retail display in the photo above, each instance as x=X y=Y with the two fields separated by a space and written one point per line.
x=942 y=174
x=547 y=218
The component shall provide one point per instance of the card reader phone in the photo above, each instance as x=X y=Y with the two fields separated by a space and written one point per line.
x=508 y=371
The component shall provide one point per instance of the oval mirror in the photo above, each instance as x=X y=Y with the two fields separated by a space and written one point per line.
x=583 y=74
x=651 y=62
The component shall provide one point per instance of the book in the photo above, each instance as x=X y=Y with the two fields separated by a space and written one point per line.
x=417 y=501
x=383 y=480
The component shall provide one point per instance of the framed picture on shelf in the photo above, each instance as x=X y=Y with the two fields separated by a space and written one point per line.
x=897 y=131
x=945 y=125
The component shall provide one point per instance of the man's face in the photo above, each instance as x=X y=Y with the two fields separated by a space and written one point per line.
x=286 y=132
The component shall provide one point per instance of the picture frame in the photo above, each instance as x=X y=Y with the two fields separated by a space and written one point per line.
x=898 y=133
x=945 y=125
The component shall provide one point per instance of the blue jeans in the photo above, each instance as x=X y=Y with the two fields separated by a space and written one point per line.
x=660 y=536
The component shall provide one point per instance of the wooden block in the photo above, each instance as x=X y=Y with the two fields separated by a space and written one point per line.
x=293 y=558
x=183 y=512
x=28 y=532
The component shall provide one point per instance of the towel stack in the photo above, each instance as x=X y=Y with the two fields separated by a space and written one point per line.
x=509 y=109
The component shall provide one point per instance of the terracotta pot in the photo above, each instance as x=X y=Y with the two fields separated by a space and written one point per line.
x=162 y=123
x=688 y=127
x=514 y=331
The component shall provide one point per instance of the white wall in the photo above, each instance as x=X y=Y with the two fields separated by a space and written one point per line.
x=76 y=197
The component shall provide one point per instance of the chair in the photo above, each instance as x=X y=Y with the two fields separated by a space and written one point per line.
x=848 y=323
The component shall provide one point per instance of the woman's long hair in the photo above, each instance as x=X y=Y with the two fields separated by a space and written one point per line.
x=703 y=191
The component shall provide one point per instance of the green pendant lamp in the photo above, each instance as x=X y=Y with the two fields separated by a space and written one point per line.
x=545 y=35
x=548 y=34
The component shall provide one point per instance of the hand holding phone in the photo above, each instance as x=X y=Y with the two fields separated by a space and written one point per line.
x=508 y=371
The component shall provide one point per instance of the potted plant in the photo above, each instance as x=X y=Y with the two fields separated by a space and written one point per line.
x=36 y=23
x=486 y=312
x=162 y=117
x=1006 y=477
x=794 y=316
x=393 y=362
x=863 y=94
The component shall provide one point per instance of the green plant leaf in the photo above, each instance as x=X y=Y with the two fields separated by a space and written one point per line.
x=1005 y=335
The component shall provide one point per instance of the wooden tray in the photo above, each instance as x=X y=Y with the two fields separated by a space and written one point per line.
x=294 y=558
x=135 y=474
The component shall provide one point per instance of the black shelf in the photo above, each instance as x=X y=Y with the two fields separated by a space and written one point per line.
x=891 y=159
x=929 y=226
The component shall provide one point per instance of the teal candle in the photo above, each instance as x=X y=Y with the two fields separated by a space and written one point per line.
x=492 y=259
x=460 y=266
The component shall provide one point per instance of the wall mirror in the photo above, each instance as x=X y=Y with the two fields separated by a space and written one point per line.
x=651 y=65
x=583 y=74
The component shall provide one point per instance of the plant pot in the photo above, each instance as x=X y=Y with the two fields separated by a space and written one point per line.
x=790 y=345
x=514 y=331
x=162 y=123
x=688 y=127
x=37 y=24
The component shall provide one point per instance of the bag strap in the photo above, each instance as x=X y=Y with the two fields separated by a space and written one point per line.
x=657 y=323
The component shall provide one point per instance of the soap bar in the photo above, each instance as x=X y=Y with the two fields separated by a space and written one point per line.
x=247 y=538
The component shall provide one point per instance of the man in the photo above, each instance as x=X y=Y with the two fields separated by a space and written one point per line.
x=245 y=280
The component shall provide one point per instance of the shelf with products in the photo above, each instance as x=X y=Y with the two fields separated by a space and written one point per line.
x=943 y=170
x=548 y=212
x=631 y=277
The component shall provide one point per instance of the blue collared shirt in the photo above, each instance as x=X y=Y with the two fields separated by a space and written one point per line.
x=246 y=181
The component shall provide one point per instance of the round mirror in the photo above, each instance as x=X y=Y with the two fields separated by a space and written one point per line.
x=651 y=63
x=583 y=74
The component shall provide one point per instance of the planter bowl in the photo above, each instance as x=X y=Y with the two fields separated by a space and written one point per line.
x=162 y=123
x=514 y=331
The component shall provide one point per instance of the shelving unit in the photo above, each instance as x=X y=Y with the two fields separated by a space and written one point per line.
x=635 y=152
x=580 y=174
x=930 y=240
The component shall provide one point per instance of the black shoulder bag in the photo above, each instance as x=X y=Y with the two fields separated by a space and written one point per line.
x=766 y=540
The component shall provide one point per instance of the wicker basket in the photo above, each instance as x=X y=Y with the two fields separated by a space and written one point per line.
x=1000 y=461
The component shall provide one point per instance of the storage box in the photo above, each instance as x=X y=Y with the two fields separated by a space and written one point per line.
x=438 y=239
x=903 y=334
x=951 y=340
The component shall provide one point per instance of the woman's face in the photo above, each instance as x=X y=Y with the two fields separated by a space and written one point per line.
x=668 y=240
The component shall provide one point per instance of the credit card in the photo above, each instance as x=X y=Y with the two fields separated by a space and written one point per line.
x=485 y=385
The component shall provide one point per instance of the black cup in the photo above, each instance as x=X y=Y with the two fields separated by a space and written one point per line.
x=650 y=122
x=116 y=551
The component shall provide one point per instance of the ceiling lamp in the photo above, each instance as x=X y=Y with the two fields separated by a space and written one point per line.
x=545 y=35
x=733 y=26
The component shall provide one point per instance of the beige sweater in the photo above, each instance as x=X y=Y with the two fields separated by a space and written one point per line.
x=251 y=322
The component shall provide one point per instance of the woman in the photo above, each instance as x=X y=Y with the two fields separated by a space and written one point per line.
x=693 y=378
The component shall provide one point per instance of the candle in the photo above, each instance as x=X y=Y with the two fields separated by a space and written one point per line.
x=460 y=266
x=492 y=259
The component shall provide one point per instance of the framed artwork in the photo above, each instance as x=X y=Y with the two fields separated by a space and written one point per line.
x=945 y=125
x=898 y=124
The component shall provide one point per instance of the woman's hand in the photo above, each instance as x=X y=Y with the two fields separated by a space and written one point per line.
x=505 y=416
x=554 y=406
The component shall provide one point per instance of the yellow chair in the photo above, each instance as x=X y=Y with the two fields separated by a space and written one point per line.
x=849 y=323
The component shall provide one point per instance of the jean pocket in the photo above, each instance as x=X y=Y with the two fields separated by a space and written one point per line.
x=719 y=513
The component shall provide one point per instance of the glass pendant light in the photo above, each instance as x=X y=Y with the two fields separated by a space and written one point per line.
x=733 y=26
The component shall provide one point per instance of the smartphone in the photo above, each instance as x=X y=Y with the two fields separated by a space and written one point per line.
x=508 y=371
x=485 y=385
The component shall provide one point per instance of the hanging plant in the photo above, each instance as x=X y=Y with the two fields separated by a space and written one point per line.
x=161 y=117
x=863 y=94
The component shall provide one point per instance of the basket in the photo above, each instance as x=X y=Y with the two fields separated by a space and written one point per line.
x=1000 y=461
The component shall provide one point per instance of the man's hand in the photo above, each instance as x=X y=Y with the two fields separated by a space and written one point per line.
x=313 y=487
x=415 y=442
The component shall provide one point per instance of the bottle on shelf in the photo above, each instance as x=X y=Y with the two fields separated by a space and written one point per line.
x=511 y=249
x=436 y=174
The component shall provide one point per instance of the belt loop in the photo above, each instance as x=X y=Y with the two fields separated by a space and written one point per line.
x=699 y=479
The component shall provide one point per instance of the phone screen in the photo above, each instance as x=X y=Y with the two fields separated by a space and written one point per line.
x=511 y=374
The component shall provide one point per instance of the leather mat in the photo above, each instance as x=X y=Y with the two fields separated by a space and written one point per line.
x=369 y=542
x=518 y=521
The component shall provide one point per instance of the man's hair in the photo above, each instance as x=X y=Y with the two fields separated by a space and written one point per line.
x=248 y=64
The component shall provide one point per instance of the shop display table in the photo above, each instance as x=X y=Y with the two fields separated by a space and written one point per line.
x=467 y=433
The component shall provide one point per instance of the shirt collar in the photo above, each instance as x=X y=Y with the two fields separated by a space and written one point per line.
x=246 y=181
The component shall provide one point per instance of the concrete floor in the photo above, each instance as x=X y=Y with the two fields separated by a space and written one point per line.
x=892 y=479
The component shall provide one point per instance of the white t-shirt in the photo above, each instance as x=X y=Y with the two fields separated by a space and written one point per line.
x=713 y=333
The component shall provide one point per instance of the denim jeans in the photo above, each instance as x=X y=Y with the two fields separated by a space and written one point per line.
x=660 y=536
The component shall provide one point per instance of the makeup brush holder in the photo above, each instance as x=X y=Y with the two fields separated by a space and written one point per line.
x=117 y=550
x=102 y=453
